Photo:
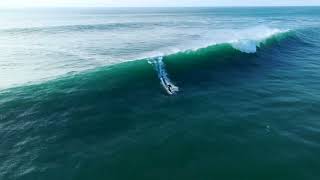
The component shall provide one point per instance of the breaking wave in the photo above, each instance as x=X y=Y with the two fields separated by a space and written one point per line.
x=247 y=42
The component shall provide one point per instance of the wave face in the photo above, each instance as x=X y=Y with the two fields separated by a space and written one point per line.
x=92 y=103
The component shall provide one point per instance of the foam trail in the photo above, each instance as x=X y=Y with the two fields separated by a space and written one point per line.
x=163 y=75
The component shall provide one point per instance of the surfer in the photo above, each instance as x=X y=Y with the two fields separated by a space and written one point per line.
x=169 y=88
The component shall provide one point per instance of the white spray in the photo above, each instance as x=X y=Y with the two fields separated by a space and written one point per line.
x=163 y=75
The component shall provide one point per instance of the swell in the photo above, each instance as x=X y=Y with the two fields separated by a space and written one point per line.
x=74 y=28
x=126 y=75
x=87 y=27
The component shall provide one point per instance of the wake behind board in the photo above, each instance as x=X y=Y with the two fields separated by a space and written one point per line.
x=168 y=86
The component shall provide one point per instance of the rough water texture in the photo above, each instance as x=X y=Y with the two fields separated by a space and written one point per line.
x=82 y=93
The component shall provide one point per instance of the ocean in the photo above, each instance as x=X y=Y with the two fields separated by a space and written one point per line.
x=160 y=93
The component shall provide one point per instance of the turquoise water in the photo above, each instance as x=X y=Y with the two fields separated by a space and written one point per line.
x=82 y=93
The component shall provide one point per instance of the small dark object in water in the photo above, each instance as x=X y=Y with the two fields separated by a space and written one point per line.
x=169 y=88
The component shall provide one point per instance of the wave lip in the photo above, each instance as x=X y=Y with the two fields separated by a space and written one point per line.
x=244 y=40
x=252 y=39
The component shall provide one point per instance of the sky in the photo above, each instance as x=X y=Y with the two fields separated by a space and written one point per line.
x=154 y=3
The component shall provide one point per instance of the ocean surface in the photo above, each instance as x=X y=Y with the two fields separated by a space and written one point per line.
x=84 y=93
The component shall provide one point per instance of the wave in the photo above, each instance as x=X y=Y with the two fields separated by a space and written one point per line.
x=246 y=41
x=188 y=58
x=234 y=47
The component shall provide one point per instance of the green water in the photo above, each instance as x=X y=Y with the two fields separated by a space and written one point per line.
x=245 y=109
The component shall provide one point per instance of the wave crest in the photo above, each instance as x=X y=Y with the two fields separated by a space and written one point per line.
x=253 y=38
